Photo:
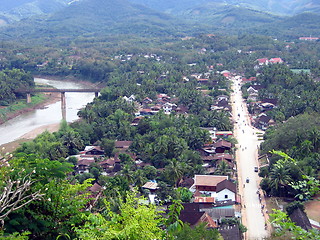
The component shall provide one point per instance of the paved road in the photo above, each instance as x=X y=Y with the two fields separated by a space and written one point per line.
x=253 y=211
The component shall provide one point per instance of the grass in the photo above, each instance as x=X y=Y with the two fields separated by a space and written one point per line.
x=21 y=104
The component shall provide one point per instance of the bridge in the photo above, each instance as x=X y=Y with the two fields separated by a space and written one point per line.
x=62 y=91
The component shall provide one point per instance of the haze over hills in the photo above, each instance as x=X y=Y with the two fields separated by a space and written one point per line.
x=11 y=11
x=76 y=18
x=282 y=7
x=95 y=17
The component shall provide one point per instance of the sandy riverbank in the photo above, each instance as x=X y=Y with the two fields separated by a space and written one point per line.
x=11 y=146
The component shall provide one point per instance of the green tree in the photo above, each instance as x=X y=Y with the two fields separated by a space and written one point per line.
x=285 y=227
x=108 y=146
x=279 y=178
x=223 y=169
x=199 y=232
x=175 y=171
x=134 y=221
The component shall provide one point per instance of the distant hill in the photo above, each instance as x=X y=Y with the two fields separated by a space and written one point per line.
x=301 y=25
x=96 y=17
x=228 y=18
x=282 y=7
x=71 y=19
x=15 y=10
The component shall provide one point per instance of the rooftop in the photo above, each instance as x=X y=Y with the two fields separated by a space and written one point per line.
x=208 y=180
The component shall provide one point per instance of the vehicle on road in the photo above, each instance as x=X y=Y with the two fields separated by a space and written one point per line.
x=247 y=180
x=256 y=169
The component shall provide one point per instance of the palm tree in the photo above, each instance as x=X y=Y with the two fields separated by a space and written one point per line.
x=176 y=170
x=139 y=178
x=279 y=178
x=127 y=172
x=315 y=138
x=72 y=141
x=223 y=169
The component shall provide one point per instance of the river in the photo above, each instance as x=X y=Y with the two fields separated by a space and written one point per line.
x=17 y=127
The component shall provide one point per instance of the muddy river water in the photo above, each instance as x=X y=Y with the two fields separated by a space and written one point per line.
x=17 y=127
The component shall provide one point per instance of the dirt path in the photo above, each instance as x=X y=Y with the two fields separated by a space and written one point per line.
x=254 y=216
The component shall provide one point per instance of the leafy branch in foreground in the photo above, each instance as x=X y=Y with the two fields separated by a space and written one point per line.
x=15 y=194
x=284 y=226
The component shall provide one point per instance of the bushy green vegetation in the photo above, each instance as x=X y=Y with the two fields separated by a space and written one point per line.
x=145 y=68
x=11 y=80
x=21 y=104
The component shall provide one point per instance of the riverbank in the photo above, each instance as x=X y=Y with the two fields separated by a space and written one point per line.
x=72 y=79
x=14 y=135
x=50 y=98
x=11 y=146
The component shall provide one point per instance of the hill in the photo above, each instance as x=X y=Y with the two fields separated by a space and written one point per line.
x=95 y=18
x=304 y=24
x=11 y=11
x=280 y=7
x=228 y=18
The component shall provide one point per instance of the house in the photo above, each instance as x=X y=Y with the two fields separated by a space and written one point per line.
x=251 y=79
x=275 y=60
x=218 y=134
x=222 y=97
x=226 y=73
x=252 y=90
x=230 y=232
x=145 y=112
x=224 y=104
x=263 y=121
x=122 y=145
x=226 y=190
x=203 y=80
x=129 y=99
x=147 y=101
x=222 y=145
x=168 y=107
x=192 y=215
x=95 y=188
x=155 y=108
x=208 y=159
x=136 y=120
x=163 y=97
x=270 y=100
x=266 y=106
x=92 y=151
x=182 y=109
x=205 y=202
x=83 y=165
x=108 y=164
x=207 y=184
x=206 y=151
x=217 y=213
x=152 y=186
x=309 y=38
x=223 y=156
x=263 y=61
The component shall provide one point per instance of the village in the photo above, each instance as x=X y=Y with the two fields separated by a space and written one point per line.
x=217 y=195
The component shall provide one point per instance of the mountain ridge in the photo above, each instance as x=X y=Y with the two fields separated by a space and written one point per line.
x=105 y=17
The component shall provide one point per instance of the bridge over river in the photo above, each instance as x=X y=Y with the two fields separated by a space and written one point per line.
x=61 y=91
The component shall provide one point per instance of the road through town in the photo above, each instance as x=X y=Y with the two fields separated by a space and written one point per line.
x=253 y=206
